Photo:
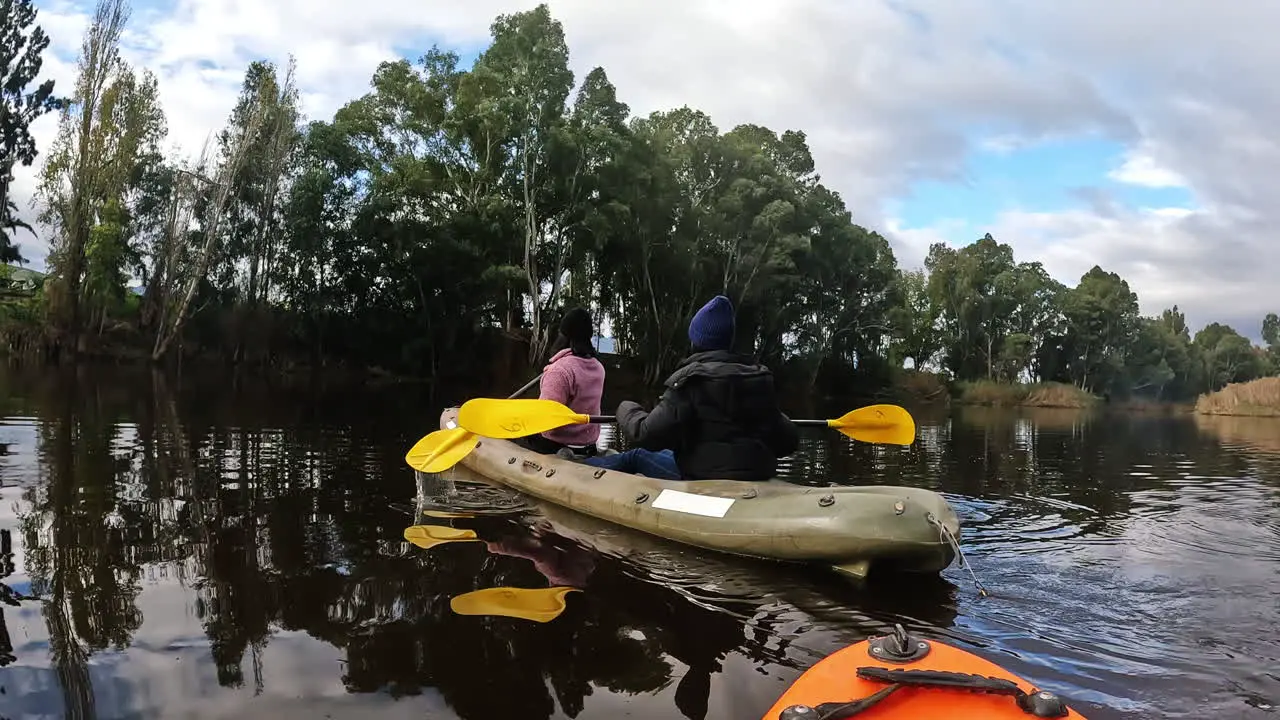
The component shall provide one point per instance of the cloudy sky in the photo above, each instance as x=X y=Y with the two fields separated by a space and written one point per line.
x=1136 y=135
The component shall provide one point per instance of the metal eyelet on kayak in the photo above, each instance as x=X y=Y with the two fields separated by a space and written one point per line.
x=750 y=493
x=1043 y=704
x=898 y=646
x=598 y=474
x=899 y=508
x=642 y=497
x=551 y=472
x=511 y=461
x=797 y=712
x=826 y=501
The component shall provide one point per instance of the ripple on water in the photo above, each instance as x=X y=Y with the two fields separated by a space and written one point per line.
x=1212 y=516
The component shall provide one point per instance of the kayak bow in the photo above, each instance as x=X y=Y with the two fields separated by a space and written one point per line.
x=903 y=677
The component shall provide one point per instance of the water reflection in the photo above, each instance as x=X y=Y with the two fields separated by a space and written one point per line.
x=536 y=604
x=429 y=536
x=209 y=551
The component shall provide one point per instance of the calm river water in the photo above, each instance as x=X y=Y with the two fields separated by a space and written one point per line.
x=227 y=551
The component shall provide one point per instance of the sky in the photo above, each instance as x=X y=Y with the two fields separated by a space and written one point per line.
x=1138 y=136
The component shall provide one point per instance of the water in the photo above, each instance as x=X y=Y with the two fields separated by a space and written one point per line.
x=217 y=551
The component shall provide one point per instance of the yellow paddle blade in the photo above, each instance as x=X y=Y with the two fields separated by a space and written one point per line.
x=515 y=418
x=539 y=605
x=429 y=536
x=441 y=450
x=888 y=424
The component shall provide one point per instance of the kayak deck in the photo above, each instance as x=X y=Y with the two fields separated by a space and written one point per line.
x=851 y=529
x=903 y=677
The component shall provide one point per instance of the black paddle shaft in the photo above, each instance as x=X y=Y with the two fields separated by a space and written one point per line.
x=526 y=387
x=614 y=418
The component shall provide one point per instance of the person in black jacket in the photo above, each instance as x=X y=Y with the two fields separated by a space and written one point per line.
x=718 y=417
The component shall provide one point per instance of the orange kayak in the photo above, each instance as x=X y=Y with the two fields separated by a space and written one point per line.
x=903 y=677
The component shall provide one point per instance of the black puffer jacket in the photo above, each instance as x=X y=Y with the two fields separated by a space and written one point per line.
x=719 y=415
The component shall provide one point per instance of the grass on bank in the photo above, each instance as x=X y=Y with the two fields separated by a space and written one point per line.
x=998 y=394
x=920 y=387
x=1256 y=398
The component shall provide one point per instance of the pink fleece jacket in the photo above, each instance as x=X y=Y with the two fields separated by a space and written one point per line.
x=577 y=382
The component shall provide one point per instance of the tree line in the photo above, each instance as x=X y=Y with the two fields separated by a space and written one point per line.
x=978 y=314
x=449 y=208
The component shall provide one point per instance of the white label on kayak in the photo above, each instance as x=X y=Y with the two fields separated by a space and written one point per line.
x=693 y=504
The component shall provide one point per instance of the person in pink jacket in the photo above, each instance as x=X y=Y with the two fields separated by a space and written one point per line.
x=574 y=377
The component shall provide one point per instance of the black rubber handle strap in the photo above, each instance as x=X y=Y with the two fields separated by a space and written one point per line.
x=842 y=710
x=1034 y=703
x=942 y=679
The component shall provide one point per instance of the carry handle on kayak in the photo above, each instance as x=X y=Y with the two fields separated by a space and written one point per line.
x=1037 y=703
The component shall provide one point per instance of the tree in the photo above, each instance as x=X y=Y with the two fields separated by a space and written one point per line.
x=190 y=199
x=83 y=169
x=1163 y=364
x=915 y=321
x=1271 y=336
x=1102 y=322
x=1271 y=329
x=1225 y=356
x=975 y=289
x=254 y=203
x=22 y=44
x=526 y=74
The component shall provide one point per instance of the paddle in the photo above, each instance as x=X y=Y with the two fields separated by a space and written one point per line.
x=442 y=449
x=516 y=418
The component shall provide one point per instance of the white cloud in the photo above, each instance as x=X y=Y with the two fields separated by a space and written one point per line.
x=911 y=245
x=887 y=92
x=1003 y=144
x=1158 y=251
x=1142 y=169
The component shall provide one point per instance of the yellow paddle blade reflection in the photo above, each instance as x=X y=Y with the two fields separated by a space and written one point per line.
x=538 y=605
x=429 y=536
x=441 y=450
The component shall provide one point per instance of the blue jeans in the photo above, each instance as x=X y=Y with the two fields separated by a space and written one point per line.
x=660 y=465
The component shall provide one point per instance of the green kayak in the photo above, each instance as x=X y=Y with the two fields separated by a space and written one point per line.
x=851 y=529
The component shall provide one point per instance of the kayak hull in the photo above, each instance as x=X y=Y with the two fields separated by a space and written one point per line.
x=837 y=679
x=851 y=529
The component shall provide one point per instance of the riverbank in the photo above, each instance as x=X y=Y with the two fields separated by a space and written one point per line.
x=273 y=345
x=1256 y=398
x=266 y=343
x=998 y=394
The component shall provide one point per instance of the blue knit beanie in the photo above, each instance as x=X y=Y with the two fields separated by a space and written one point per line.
x=712 y=326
